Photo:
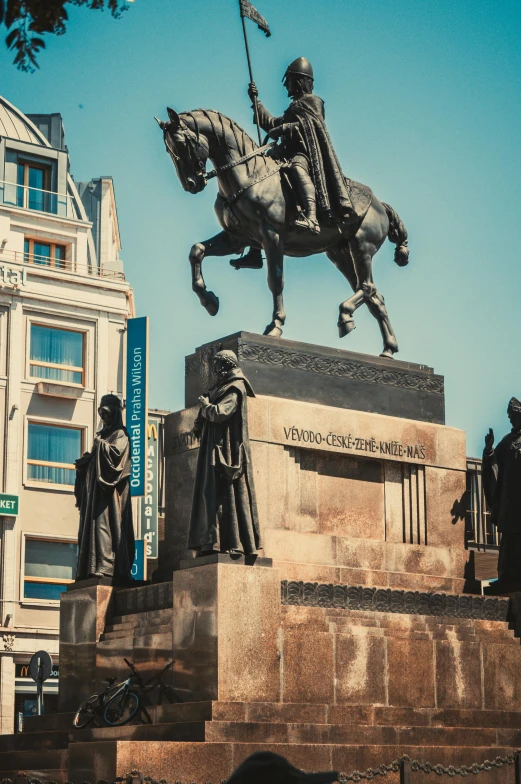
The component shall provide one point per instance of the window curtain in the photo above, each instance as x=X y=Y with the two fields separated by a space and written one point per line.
x=50 y=559
x=56 y=445
x=56 y=346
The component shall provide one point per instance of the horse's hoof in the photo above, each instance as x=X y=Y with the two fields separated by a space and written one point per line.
x=345 y=327
x=273 y=331
x=388 y=353
x=212 y=303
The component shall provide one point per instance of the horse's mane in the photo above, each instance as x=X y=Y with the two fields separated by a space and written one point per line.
x=218 y=122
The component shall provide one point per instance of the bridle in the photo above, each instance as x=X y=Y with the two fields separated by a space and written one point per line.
x=192 y=145
x=220 y=169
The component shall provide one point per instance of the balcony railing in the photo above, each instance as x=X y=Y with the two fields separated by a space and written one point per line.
x=481 y=533
x=63 y=265
x=14 y=195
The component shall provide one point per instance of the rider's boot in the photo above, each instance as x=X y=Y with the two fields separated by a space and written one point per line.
x=305 y=189
x=252 y=260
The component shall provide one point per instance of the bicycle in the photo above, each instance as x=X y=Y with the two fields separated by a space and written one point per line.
x=125 y=703
x=93 y=706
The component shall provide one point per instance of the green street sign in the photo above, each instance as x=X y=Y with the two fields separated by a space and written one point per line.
x=8 y=505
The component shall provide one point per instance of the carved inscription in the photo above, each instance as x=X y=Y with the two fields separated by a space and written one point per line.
x=353 y=443
x=184 y=440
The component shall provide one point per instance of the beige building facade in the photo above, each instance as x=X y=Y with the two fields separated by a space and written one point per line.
x=64 y=304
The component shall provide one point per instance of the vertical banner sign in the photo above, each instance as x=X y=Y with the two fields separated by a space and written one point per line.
x=137 y=400
x=139 y=571
x=149 y=503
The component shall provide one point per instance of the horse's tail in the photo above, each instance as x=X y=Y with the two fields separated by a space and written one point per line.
x=398 y=235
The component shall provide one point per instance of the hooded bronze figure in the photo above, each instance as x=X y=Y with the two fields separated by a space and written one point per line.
x=102 y=490
x=224 y=508
x=502 y=486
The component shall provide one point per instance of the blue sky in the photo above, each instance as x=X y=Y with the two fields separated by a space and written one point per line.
x=422 y=103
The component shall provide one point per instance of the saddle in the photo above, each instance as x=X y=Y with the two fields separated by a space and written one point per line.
x=361 y=197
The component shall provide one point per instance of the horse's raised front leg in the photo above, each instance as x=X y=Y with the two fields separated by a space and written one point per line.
x=362 y=252
x=223 y=244
x=274 y=249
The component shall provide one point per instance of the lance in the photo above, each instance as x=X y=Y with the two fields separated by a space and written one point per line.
x=247 y=9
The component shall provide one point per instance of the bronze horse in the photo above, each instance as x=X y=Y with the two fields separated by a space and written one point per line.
x=254 y=208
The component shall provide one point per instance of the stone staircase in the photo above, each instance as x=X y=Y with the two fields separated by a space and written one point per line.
x=363 y=688
x=342 y=737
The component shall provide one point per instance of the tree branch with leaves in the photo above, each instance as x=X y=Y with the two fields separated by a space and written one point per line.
x=28 y=20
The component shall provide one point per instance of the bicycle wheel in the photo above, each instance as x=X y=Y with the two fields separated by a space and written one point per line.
x=86 y=712
x=121 y=708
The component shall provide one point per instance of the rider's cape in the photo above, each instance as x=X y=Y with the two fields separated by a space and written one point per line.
x=308 y=112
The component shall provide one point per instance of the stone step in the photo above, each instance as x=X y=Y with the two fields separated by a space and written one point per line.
x=38 y=759
x=129 y=632
x=42 y=739
x=203 y=762
x=253 y=732
x=257 y=732
x=59 y=775
x=179 y=731
x=144 y=618
x=48 y=722
x=303 y=713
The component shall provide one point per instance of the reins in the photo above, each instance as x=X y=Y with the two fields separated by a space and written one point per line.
x=220 y=169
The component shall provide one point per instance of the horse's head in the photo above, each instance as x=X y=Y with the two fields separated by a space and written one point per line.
x=188 y=150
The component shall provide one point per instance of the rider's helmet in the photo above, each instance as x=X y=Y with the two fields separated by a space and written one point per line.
x=300 y=67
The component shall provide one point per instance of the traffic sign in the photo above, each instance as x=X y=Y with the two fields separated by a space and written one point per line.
x=8 y=505
x=40 y=666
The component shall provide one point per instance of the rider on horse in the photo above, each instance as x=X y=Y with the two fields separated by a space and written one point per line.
x=314 y=169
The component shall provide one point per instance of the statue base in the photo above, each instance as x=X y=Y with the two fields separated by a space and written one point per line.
x=225 y=558
x=356 y=645
x=353 y=485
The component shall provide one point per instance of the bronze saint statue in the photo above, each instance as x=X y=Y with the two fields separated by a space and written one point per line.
x=224 y=508
x=257 y=210
x=502 y=485
x=102 y=490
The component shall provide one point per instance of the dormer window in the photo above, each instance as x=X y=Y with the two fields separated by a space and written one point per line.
x=33 y=187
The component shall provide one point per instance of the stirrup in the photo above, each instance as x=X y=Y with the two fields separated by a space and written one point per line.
x=252 y=260
x=303 y=222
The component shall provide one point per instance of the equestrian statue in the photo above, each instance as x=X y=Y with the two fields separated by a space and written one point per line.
x=285 y=197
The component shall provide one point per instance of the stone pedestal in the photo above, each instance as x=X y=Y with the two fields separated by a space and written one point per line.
x=225 y=642
x=329 y=376
x=83 y=617
x=343 y=495
x=352 y=641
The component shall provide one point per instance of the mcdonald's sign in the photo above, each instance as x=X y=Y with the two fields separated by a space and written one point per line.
x=22 y=671
x=149 y=502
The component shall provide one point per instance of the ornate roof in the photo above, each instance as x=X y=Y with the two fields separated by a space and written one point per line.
x=15 y=125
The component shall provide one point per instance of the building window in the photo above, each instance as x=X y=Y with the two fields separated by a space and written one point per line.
x=57 y=354
x=51 y=452
x=47 y=254
x=33 y=191
x=49 y=567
